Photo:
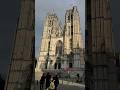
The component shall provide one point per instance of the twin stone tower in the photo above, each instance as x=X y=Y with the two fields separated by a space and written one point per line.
x=61 y=48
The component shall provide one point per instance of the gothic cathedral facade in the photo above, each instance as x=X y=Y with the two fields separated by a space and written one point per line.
x=62 y=48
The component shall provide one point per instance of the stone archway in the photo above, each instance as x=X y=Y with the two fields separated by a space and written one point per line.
x=58 y=54
x=59 y=48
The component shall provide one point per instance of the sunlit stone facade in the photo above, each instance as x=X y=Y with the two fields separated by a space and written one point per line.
x=61 y=48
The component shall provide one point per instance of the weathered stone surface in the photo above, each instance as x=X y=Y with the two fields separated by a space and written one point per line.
x=21 y=69
x=101 y=74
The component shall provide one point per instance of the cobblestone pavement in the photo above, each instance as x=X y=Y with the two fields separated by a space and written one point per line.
x=70 y=87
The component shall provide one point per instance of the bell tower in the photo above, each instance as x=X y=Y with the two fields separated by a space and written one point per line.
x=73 y=43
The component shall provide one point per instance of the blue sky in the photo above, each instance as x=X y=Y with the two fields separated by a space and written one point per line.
x=42 y=7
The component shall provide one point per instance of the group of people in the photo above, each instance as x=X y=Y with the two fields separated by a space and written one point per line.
x=50 y=82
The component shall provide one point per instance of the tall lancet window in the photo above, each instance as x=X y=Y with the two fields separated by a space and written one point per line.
x=59 y=48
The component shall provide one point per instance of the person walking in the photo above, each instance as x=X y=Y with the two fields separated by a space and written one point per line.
x=52 y=85
x=56 y=81
x=42 y=81
x=78 y=77
x=48 y=78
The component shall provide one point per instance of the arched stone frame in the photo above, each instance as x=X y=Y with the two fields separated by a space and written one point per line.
x=59 y=45
x=58 y=54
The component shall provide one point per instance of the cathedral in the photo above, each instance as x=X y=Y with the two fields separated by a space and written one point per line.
x=62 y=47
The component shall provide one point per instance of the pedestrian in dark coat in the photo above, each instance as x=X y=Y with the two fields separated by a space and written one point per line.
x=42 y=81
x=48 y=78
x=78 y=77
x=56 y=82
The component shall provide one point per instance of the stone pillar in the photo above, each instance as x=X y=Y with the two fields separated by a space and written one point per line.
x=21 y=67
x=99 y=46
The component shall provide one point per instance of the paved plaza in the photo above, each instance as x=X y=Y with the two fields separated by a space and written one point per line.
x=65 y=85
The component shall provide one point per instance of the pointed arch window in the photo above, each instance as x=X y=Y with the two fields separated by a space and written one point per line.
x=59 y=48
